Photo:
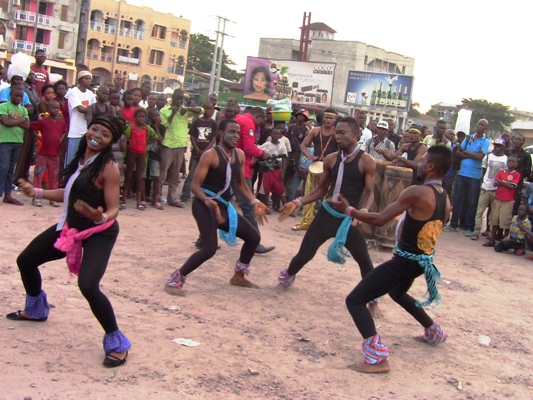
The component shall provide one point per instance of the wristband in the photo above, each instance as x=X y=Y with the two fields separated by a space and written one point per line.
x=104 y=219
x=348 y=211
x=364 y=210
x=254 y=201
x=298 y=202
x=38 y=193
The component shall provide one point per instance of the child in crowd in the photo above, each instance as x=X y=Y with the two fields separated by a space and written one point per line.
x=518 y=233
x=203 y=133
x=139 y=136
x=48 y=94
x=128 y=111
x=152 y=105
x=154 y=157
x=137 y=96
x=272 y=180
x=51 y=128
x=500 y=217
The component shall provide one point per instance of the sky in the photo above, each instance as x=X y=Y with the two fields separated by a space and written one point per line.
x=462 y=49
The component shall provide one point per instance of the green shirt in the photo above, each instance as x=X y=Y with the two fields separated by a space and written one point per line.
x=12 y=134
x=177 y=132
x=150 y=133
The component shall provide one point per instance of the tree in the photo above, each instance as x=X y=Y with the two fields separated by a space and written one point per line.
x=496 y=113
x=413 y=112
x=200 y=57
x=433 y=113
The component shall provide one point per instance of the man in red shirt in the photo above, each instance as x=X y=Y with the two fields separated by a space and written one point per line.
x=41 y=74
x=248 y=123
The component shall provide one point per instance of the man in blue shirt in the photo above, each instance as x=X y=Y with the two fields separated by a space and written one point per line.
x=468 y=181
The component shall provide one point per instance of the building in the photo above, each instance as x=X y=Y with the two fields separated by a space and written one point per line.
x=50 y=25
x=445 y=110
x=348 y=55
x=136 y=42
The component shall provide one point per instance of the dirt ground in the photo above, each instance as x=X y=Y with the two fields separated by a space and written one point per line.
x=258 y=344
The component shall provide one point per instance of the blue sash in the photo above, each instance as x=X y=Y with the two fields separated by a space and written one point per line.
x=336 y=253
x=230 y=237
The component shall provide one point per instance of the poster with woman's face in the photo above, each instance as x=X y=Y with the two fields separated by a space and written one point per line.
x=258 y=80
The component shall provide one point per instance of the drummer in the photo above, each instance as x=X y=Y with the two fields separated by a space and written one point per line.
x=350 y=171
x=324 y=143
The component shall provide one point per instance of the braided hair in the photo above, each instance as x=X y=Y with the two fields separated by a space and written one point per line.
x=115 y=126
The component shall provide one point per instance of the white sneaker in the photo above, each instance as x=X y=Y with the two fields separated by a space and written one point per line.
x=36 y=203
x=163 y=199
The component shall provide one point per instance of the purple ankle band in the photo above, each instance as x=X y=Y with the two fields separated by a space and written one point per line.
x=116 y=342
x=37 y=307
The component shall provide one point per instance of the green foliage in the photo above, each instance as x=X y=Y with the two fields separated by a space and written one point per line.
x=433 y=113
x=200 y=57
x=496 y=113
x=413 y=113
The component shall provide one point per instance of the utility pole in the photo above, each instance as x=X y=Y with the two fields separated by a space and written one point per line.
x=217 y=81
x=214 y=63
x=214 y=82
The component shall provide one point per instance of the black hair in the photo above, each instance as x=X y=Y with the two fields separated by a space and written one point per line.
x=255 y=71
x=113 y=91
x=441 y=121
x=330 y=110
x=40 y=51
x=135 y=89
x=139 y=110
x=441 y=157
x=59 y=83
x=224 y=124
x=352 y=123
x=257 y=111
x=126 y=93
x=115 y=125
x=47 y=86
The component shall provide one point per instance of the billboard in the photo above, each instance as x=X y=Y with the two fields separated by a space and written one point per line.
x=377 y=89
x=310 y=83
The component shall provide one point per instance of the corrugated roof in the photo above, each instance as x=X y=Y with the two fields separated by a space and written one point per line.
x=320 y=26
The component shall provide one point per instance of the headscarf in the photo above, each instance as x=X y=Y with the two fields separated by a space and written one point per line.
x=111 y=122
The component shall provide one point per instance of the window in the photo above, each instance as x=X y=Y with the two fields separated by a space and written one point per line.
x=156 y=57
x=22 y=32
x=39 y=38
x=64 y=13
x=159 y=31
x=43 y=8
x=61 y=40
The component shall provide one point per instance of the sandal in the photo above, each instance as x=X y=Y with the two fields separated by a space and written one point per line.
x=178 y=204
x=143 y=203
x=111 y=361
x=140 y=207
x=300 y=227
x=158 y=205
x=488 y=244
x=122 y=206
x=18 y=316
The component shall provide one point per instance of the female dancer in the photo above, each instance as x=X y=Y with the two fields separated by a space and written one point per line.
x=91 y=201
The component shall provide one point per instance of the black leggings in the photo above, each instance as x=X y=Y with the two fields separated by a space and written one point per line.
x=96 y=253
x=394 y=277
x=207 y=225
x=324 y=227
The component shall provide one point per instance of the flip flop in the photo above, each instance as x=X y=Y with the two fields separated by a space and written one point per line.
x=18 y=316
x=111 y=361
x=158 y=205
x=299 y=227
x=488 y=244
x=122 y=206
x=140 y=207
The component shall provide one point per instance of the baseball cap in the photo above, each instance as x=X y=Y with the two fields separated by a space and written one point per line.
x=302 y=112
x=383 y=124
x=500 y=141
x=83 y=74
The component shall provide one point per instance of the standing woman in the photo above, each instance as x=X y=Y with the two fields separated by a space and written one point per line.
x=91 y=199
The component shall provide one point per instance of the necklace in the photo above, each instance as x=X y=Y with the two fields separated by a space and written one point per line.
x=432 y=181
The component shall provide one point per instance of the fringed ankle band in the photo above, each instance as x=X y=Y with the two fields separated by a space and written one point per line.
x=176 y=279
x=435 y=334
x=286 y=279
x=242 y=268
x=116 y=342
x=374 y=351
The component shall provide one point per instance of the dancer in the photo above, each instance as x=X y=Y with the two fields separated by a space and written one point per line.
x=425 y=209
x=212 y=209
x=350 y=171
x=89 y=220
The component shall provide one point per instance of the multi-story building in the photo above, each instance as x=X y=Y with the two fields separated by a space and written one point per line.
x=50 y=25
x=136 y=42
x=348 y=55
x=445 y=110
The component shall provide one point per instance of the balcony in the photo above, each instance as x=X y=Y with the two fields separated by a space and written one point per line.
x=132 y=33
x=30 y=17
x=128 y=60
x=106 y=57
x=111 y=29
x=41 y=46
x=183 y=44
x=22 y=45
x=96 y=26
x=173 y=43
x=93 y=55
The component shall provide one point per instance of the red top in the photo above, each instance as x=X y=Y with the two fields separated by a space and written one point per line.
x=247 y=142
x=41 y=78
x=128 y=114
x=51 y=132
x=503 y=193
x=138 y=140
x=64 y=109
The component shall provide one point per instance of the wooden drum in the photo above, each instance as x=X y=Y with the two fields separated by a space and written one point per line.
x=369 y=231
x=395 y=180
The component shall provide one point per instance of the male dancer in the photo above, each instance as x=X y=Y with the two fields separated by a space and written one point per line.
x=212 y=210
x=425 y=209
x=323 y=140
x=350 y=171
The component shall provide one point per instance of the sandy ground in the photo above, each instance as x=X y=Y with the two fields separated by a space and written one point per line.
x=258 y=344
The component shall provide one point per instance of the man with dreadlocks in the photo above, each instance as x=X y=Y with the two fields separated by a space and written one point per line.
x=91 y=204
x=424 y=208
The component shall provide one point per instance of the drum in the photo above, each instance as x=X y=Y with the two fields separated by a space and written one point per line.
x=369 y=231
x=304 y=161
x=395 y=180
x=315 y=171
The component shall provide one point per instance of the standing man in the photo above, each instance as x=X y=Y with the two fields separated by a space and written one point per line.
x=424 y=209
x=79 y=99
x=146 y=89
x=101 y=106
x=349 y=171
x=393 y=137
x=524 y=166
x=248 y=124
x=212 y=209
x=380 y=144
x=322 y=138
x=439 y=138
x=217 y=115
x=295 y=173
x=41 y=74
x=175 y=118
x=468 y=180
x=118 y=83
x=366 y=134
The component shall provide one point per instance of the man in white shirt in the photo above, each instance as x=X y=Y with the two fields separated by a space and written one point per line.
x=79 y=99
x=366 y=134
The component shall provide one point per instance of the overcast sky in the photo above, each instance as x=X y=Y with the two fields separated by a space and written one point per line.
x=462 y=49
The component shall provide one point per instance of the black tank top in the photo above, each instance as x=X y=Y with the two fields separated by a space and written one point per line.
x=411 y=155
x=215 y=180
x=84 y=189
x=420 y=237
x=353 y=181
x=330 y=148
x=96 y=110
